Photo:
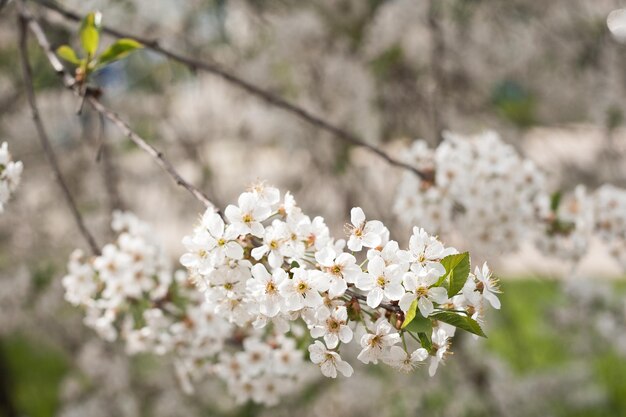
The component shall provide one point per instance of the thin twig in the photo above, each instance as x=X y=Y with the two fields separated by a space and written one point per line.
x=267 y=96
x=45 y=141
x=69 y=83
x=158 y=156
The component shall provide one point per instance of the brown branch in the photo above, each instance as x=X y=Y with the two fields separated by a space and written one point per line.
x=158 y=156
x=43 y=136
x=70 y=83
x=265 y=95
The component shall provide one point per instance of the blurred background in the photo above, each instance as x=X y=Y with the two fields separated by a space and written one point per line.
x=547 y=75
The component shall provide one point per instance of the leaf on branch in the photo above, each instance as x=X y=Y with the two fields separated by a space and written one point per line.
x=90 y=33
x=120 y=49
x=457 y=270
x=67 y=53
x=425 y=341
x=415 y=322
x=419 y=325
x=462 y=322
x=410 y=314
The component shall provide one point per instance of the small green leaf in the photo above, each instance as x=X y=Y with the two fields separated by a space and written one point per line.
x=415 y=322
x=462 y=322
x=410 y=314
x=425 y=341
x=555 y=201
x=120 y=49
x=457 y=270
x=419 y=325
x=90 y=33
x=68 y=54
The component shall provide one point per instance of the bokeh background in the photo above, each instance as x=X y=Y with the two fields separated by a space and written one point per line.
x=547 y=75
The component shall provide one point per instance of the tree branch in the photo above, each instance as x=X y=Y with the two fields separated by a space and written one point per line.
x=70 y=83
x=265 y=95
x=158 y=156
x=45 y=141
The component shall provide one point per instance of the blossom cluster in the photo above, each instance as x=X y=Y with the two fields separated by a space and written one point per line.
x=484 y=191
x=572 y=221
x=130 y=292
x=478 y=182
x=10 y=174
x=566 y=224
x=610 y=219
x=267 y=265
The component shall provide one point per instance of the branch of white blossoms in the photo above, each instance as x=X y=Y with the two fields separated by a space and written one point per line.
x=486 y=192
x=269 y=266
x=273 y=281
x=10 y=175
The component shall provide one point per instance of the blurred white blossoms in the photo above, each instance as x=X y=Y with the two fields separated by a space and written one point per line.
x=478 y=180
x=566 y=224
x=573 y=220
x=610 y=219
x=269 y=267
x=483 y=191
x=10 y=174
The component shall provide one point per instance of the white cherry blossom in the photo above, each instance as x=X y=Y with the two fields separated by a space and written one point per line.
x=381 y=281
x=420 y=287
x=376 y=345
x=363 y=233
x=329 y=362
x=333 y=326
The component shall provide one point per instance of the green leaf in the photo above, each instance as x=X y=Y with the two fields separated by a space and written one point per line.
x=419 y=325
x=457 y=270
x=415 y=322
x=68 y=54
x=555 y=201
x=410 y=314
x=462 y=322
x=90 y=33
x=120 y=49
x=425 y=341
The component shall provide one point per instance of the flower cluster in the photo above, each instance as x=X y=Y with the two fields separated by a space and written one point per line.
x=478 y=180
x=10 y=174
x=269 y=266
x=610 y=219
x=112 y=286
x=570 y=222
x=567 y=224
x=265 y=370
x=485 y=192
x=130 y=292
